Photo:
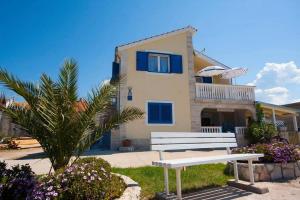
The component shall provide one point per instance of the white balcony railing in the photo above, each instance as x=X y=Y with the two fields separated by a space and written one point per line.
x=240 y=130
x=224 y=92
x=211 y=129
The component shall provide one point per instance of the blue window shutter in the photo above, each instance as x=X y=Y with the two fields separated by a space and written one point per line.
x=160 y=113
x=166 y=113
x=176 y=64
x=141 y=61
x=206 y=79
x=153 y=113
x=115 y=70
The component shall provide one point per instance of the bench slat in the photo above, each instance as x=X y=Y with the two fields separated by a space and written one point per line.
x=205 y=160
x=164 y=147
x=190 y=140
x=190 y=135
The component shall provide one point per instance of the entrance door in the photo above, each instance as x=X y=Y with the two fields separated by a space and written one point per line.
x=228 y=124
x=103 y=143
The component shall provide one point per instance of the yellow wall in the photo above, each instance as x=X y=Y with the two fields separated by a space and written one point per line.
x=201 y=63
x=155 y=86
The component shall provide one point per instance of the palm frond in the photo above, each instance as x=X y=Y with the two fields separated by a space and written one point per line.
x=27 y=90
x=68 y=80
x=108 y=121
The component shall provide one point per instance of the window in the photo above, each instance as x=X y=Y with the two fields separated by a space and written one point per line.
x=160 y=113
x=158 y=63
x=204 y=79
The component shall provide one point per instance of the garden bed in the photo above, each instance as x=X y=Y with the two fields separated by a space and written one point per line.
x=270 y=171
x=281 y=161
x=132 y=191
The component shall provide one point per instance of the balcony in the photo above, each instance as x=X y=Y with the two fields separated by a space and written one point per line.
x=225 y=92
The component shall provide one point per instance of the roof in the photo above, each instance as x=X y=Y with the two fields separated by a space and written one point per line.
x=278 y=107
x=295 y=105
x=80 y=105
x=156 y=37
x=209 y=59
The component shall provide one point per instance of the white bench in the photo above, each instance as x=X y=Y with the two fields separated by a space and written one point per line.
x=164 y=141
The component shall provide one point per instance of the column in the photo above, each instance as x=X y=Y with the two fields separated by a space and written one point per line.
x=295 y=122
x=274 y=118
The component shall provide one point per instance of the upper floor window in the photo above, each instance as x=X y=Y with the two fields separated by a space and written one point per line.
x=159 y=63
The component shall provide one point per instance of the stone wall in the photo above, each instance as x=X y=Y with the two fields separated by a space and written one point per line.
x=10 y=129
x=270 y=171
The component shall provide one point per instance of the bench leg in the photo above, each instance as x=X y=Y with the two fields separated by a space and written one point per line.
x=178 y=183
x=166 y=175
x=251 y=175
x=235 y=171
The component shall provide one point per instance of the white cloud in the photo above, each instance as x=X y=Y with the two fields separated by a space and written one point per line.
x=105 y=82
x=258 y=91
x=278 y=83
x=276 y=90
x=284 y=72
x=277 y=95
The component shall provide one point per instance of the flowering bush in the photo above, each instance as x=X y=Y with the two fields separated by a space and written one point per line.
x=89 y=178
x=276 y=152
x=17 y=182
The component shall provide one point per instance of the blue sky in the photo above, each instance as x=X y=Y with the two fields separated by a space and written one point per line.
x=36 y=36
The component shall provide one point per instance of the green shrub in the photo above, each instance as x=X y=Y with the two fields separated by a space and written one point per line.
x=260 y=132
x=88 y=178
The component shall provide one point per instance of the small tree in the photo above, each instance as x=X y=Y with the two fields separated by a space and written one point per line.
x=51 y=116
x=259 y=130
x=259 y=113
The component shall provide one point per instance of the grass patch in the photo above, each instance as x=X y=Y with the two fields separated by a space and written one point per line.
x=151 y=179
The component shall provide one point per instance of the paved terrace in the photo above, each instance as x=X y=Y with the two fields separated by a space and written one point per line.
x=288 y=190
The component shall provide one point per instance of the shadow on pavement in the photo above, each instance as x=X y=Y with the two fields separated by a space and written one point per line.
x=39 y=155
x=218 y=193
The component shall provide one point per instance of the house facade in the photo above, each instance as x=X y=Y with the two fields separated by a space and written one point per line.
x=161 y=79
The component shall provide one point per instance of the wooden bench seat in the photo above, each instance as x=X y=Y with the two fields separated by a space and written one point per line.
x=166 y=141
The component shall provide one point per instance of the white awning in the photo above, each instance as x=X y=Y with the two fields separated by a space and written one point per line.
x=211 y=71
x=234 y=72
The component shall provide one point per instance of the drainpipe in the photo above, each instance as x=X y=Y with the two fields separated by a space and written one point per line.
x=117 y=58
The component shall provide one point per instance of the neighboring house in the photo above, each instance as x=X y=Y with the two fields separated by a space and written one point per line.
x=161 y=79
x=284 y=117
x=295 y=106
x=7 y=127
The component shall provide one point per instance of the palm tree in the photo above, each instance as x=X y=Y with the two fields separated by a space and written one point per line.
x=53 y=119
